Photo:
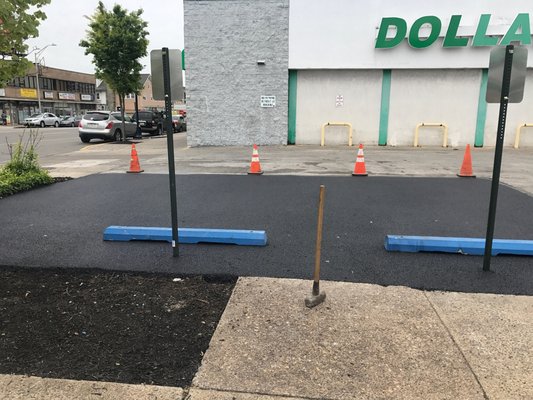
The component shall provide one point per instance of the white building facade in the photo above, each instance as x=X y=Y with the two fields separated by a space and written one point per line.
x=384 y=67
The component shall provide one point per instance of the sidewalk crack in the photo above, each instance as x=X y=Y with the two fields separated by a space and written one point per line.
x=485 y=396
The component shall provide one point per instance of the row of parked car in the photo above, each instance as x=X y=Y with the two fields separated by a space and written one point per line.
x=49 y=119
x=108 y=125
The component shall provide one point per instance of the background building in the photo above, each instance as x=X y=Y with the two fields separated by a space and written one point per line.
x=268 y=73
x=108 y=100
x=104 y=96
x=145 y=99
x=61 y=92
x=236 y=52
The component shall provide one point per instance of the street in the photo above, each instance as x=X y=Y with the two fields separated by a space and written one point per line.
x=54 y=141
x=61 y=151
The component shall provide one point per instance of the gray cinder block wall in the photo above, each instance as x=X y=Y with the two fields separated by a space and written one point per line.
x=224 y=40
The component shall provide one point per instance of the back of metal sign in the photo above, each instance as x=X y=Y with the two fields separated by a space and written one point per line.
x=518 y=74
x=176 y=77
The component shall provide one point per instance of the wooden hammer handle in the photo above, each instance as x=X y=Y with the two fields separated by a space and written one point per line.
x=316 y=275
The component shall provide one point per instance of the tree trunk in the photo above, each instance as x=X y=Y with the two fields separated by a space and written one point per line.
x=122 y=118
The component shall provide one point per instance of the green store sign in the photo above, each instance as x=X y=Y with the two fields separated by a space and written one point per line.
x=519 y=31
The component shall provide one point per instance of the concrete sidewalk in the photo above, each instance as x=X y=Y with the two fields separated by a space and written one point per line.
x=293 y=160
x=17 y=387
x=367 y=342
x=364 y=342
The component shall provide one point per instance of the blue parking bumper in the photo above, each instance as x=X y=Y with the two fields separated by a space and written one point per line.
x=186 y=235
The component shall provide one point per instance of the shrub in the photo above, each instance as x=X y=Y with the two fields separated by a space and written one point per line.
x=11 y=183
x=23 y=172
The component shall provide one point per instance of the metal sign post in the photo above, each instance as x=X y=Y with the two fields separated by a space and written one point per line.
x=167 y=84
x=170 y=147
x=515 y=70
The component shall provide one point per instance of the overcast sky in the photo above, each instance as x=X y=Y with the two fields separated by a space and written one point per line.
x=66 y=26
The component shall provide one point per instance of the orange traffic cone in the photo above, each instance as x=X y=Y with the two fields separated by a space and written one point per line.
x=359 y=168
x=255 y=166
x=135 y=167
x=466 y=168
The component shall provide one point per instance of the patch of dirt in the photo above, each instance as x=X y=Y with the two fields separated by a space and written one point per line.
x=107 y=326
x=58 y=179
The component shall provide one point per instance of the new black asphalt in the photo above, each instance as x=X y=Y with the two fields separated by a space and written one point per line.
x=62 y=226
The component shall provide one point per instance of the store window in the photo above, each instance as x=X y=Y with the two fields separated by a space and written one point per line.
x=29 y=82
x=46 y=83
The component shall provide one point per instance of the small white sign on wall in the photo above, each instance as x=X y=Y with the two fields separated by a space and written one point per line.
x=339 y=100
x=268 y=101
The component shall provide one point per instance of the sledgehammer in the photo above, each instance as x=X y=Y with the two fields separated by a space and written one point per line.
x=317 y=297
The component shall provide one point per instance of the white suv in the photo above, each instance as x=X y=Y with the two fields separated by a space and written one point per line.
x=42 y=120
x=105 y=125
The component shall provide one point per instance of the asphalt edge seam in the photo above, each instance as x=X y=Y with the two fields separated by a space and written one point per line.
x=280 y=396
x=456 y=344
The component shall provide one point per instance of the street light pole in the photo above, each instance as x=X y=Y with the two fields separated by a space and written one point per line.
x=38 y=86
x=37 y=54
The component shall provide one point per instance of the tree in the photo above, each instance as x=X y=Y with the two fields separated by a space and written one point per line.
x=19 y=20
x=117 y=39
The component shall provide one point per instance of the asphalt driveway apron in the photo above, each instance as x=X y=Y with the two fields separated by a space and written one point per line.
x=62 y=225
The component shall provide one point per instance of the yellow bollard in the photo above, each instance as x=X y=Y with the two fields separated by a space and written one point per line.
x=517 y=136
x=323 y=131
x=432 y=125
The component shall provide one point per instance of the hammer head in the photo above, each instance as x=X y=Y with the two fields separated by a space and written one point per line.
x=315 y=300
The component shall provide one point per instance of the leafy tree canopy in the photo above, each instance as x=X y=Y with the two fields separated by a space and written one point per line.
x=117 y=40
x=19 y=21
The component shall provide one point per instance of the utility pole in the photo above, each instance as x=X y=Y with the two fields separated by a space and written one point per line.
x=37 y=61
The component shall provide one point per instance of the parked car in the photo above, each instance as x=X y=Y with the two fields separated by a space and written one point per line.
x=42 y=120
x=70 y=121
x=150 y=122
x=104 y=125
x=178 y=123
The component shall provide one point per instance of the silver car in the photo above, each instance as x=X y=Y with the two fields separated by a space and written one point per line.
x=70 y=121
x=42 y=120
x=104 y=125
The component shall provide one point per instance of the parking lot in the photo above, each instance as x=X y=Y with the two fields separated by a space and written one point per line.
x=70 y=218
x=408 y=191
